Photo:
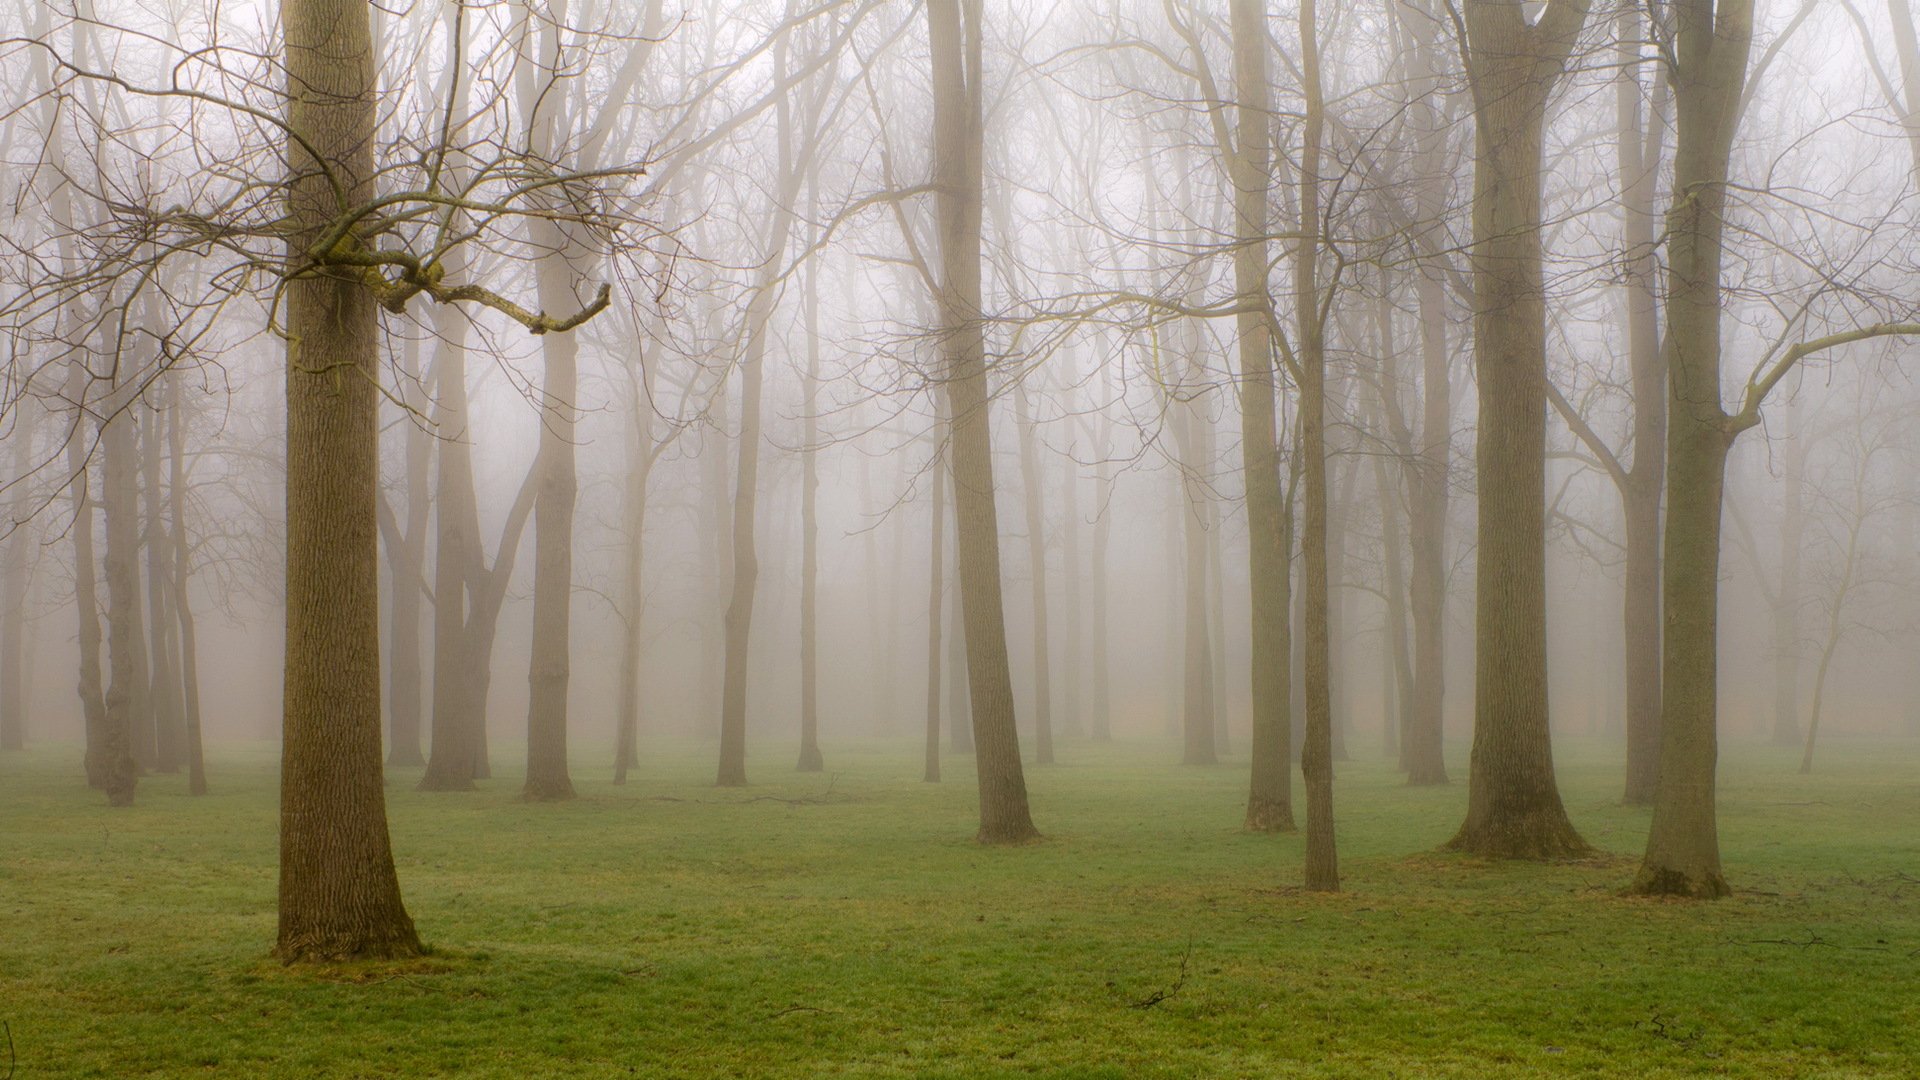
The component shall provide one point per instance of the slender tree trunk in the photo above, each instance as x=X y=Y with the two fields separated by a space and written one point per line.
x=164 y=691
x=954 y=33
x=1072 y=720
x=1269 y=796
x=1033 y=482
x=810 y=760
x=1710 y=50
x=1513 y=803
x=339 y=896
x=1217 y=625
x=626 y=754
x=405 y=567
x=1316 y=755
x=936 y=590
x=120 y=759
x=1786 y=611
x=459 y=711
x=100 y=763
x=14 y=586
x=1197 y=720
x=182 y=571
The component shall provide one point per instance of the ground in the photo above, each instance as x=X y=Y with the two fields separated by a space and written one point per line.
x=846 y=924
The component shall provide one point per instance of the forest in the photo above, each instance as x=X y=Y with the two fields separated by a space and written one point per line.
x=959 y=538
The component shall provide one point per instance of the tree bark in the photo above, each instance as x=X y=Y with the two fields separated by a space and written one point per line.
x=1513 y=804
x=164 y=692
x=1032 y=484
x=1786 y=608
x=405 y=562
x=1711 y=44
x=14 y=585
x=182 y=575
x=954 y=33
x=339 y=896
x=1269 y=796
x=121 y=758
x=810 y=759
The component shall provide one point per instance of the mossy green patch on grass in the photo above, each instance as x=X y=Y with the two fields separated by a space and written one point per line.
x=845 y=924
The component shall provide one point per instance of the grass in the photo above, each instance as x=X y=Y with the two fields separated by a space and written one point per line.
x=846 y=925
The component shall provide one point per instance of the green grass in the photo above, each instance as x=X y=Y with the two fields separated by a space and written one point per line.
x=671 y=929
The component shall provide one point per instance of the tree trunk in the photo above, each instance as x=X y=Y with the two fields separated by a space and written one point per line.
x=1316 y=754
x=182 y=572
x=1072 y=721
x=120 y=756
x=163 y=694
x=339 y=896
x=640 y=452
x=1032 y=482
x=936 y=591
x=100 y=764
x=14 y=585
x=1683 y=847
x=1786 y=611
x=954 y=33
x=1197 y=720
x=1269 y=796
x=405 y=567
x=1513 y=804
x=810 y=760
x=459 y=709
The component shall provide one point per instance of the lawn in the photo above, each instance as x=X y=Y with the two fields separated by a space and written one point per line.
x=846 y=924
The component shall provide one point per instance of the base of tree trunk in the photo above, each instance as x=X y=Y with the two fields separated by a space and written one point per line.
x=1664 y=881
x=406 y=759
x=390 y=943
x=1541 y=836
x=431 y=782
x=1636 y=797
x=1005 y=835
x=1269 y=816
x=558 y=789
x=810 y=760
x=729 y=779
x=1426 y=778
x=1200 y=758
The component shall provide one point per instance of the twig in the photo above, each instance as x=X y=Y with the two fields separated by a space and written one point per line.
x=795 y=1009
x=1161 y=995
x=12 y=1061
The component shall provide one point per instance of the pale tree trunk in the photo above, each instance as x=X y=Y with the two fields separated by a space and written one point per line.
x=1641 y=142
x=1513 y=803
x=1072 y=723
x=406 y=560
x=1396 y=666
x=954 y=34
x=1101 y=724
x=101 y=763
x=959 y=709
x=1711 y=43
x=640 y=452
x=1217 y=623
x=1032 y=482
x=1197 y=720
x=793 y=170
x=182 y=574
x=459 y=710
x=1786 y=608
x=1269 y=796
x=126 y=667
x=936 y=591
x=164 y=690
x=1430 y=474
x=1849 y=563
x=810 y=759
x=14 y=583
x=339 y=896
x=544 y=100
x=1316 y=754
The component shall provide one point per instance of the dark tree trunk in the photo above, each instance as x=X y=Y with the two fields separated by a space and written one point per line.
x=339 y=896
x=954 y=33
x=1513 y=803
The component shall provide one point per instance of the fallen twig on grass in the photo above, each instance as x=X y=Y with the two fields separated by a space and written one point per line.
x=1164 y=993
x=796 y=1008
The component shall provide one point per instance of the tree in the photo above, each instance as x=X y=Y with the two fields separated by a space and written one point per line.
x=1513 y=64
x=953 y=30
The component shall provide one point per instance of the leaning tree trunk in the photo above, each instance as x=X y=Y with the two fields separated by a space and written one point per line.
x=339 y=896
x=1513 y=804
x=959 y=177
x=1270 y=791
x=1683 y=846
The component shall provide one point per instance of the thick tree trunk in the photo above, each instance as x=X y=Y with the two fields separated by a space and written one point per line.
x=1683 y=846
x=1269 y=796
x=549 y=671
x=339 y=896
x=1513 y=804
x=954 y=33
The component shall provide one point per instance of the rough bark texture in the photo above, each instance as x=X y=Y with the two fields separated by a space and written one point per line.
x=339 y=896
x=1270 y=794
x=1513 y=803
x=958 y=171
x=1683 y=847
